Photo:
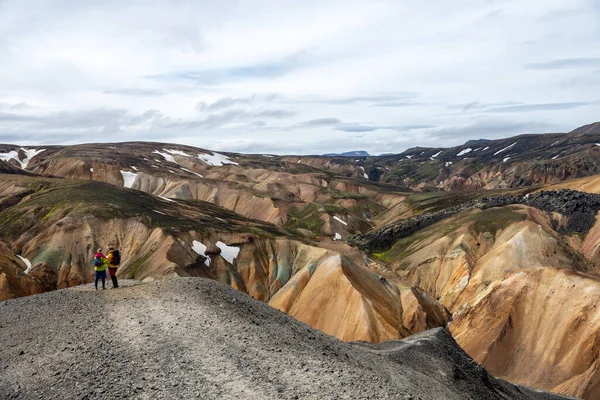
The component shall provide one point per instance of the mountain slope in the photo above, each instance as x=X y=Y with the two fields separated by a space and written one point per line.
x=197 y=338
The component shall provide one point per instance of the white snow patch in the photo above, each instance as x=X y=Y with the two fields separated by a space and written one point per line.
x=409 y=157
x=506 y=159
x=555 y=157
x=27 y=263
x=298 y=162
x=29 y=154
x=216 y=159
x=167 y=199
x=128 y=178
x=14 y=155
x=597 y=144
x=228 y=252
x=133 y=168
x=485 y=148
x=555 y=143
x=366 y=176
x=200 y=248
x=477 y=149
x=437 y=154
x=340 y=220
x=166 y=156
x=159 y=212
x=177 y=152
x=268 y=156
x=448 y=163
x=465 y=151
x=337 y=236
x=92 y=170
x=504 y=149
x=191 y=172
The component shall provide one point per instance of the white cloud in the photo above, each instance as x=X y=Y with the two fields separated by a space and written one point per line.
x=301 y=77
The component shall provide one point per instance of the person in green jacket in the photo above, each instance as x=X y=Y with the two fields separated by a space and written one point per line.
x=100 y=264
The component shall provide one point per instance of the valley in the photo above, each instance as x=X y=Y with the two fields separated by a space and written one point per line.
x=495 y=242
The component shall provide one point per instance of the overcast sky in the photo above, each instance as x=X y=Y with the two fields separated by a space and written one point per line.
x=296 y=76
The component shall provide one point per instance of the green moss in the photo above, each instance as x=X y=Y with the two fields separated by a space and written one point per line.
x=134 y=267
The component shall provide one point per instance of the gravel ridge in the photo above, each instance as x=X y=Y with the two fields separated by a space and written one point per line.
x=196 y=338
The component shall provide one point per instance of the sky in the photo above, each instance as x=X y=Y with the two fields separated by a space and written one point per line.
x=296 y=76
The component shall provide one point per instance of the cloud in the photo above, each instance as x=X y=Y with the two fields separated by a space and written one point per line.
x=135 y=92
x=359 y=127
x=267 y=70
x=374 y=99
x=227 y=102
x=311 y=76
x=539 y=107
x=566 y=63
x=488 y=128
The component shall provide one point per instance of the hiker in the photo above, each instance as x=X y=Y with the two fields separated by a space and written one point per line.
x=100 y=263
x=114 y=259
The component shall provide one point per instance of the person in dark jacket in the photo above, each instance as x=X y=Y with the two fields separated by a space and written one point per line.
x=114 y=259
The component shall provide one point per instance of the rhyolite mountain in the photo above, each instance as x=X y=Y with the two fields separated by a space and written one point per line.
x=498 y=241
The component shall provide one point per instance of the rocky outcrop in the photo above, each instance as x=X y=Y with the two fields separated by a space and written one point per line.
x=580 y=209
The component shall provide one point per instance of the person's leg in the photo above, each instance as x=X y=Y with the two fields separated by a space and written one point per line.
x=97 y=276
x=113 y=277
x=103 y=279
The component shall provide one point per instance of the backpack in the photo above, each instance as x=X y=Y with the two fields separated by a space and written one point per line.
x=97 y=262
x=116 y=258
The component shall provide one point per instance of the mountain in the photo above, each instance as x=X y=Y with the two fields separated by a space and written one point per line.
x=500 y=249
x=196 y=338
x=356 y=153
x=519 y=161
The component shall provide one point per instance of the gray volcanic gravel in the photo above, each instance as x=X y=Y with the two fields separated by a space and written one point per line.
x=196 y=338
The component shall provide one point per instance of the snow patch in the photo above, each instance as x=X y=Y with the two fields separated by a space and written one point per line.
x=14 y=155
x=92 y=170
x=506 y=159
x=27 y=263
x=166 y=156
x=228 y=252
x=437 y=154
x=504 y=149
x=268 y=156
x=128 y=178
x=448 y=163
x=555 y=143
x=555 y=157
x=159 y=212
x=167 y=199
x=340 y=220
x=177 y=153
x=216 y=159
x=191 y=172
x=133 y=168
x=409 y=157
x=485 y=148
x=366 y=176
x=337 y=236
x=465 y=151
x=200 y=248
